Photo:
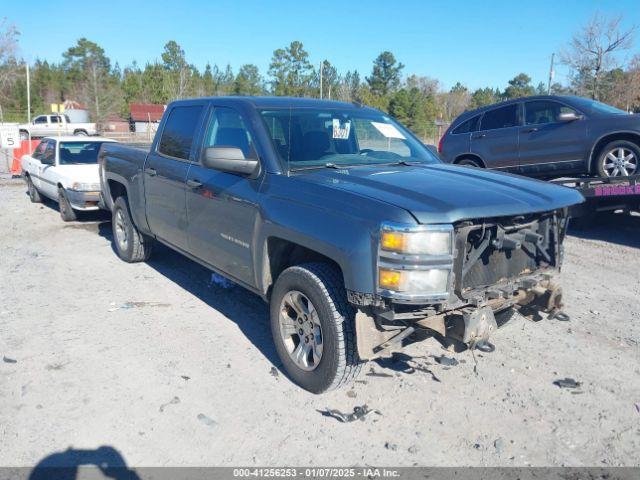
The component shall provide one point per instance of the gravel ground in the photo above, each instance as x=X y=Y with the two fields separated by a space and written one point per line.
x=153 y=362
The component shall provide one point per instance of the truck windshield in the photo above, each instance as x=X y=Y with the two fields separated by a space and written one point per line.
x=75 y=153
x=308 y=138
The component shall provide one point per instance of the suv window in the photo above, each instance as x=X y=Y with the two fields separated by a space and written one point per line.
x=469 y=126
x=503 y=117
x=227 y=129
x=179 y=130
x=544 y=111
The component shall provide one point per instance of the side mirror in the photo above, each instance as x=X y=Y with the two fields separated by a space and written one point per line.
x=231 y=160
x=569 y=117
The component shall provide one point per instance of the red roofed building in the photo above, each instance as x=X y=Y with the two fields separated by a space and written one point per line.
x=145 y=116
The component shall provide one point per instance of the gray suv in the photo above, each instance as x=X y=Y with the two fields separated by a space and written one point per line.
x=546 y=136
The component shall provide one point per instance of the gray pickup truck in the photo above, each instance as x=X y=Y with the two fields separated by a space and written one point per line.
x=359 y=238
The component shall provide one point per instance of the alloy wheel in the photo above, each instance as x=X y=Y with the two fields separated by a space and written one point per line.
x=620 y=162
x=300 y=330
x=121 y=231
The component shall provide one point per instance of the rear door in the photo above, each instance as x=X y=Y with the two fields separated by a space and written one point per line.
x=496 y=141
x=222 y=207
x=547 y=145
x=165 y=174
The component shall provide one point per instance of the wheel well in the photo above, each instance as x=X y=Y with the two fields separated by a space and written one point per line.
x=79 y=130
x=282 y=254
x=597 y=149
x=469 y=157
x=116 y=189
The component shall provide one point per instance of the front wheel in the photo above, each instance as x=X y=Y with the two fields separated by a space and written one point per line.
x=67 y=213
x=131 y=245
x=313 y=327
x=618 y=159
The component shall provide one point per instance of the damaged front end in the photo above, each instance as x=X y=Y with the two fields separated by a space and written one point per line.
x=490 y=269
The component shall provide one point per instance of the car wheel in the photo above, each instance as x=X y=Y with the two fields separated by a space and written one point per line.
x=80 y=133
x=67 y=213
x=619 y=158
x=34 y=194
x=313 y=327
x=469 y=162
x=131 y=245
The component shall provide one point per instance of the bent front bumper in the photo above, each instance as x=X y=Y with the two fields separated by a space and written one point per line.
x=84 y=201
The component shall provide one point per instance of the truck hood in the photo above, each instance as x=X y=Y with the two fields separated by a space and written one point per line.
x=445 y=193
x=80 y=173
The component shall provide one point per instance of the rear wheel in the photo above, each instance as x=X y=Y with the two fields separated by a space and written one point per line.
x=80 y=133
x=469 y=162
x=67 y=213
x=619 y=158
x=313 y=327
x=34 y=194
x=131 y=245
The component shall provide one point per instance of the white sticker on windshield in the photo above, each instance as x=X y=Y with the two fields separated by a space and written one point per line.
x=388 y=130
x=341 y=129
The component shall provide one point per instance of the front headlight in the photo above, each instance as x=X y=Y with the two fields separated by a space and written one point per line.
x=437 y=241
x=85 y=187
x=434 y=281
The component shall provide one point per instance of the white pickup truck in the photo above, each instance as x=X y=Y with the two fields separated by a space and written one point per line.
x=56 y=124
x=65 y=169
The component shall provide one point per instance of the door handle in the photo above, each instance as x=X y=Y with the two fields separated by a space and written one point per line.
x=531 y=130
x=477 y=137
x=194 y=183
x=152 y=172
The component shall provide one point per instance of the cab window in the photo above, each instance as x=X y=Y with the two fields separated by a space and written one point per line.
x=41 y=119
x=179 y=130
x=227 y=129
x=544 y=111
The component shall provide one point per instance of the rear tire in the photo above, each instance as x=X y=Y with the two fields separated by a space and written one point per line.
x=130 y=244
x=34 y=194
x=619 y=158
x=469 y=162
x=326 y=301
x=67 y=213
x=80 y=133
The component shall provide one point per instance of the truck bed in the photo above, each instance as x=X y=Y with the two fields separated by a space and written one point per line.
x=604 y=194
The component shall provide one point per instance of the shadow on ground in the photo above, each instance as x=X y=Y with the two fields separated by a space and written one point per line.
x=620 y=228
x=246 y=309
x=65 y=465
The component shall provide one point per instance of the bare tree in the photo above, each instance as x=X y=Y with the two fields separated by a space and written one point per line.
x=593 y=49
x=9 y=65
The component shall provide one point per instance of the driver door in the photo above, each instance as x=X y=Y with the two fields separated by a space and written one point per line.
x=222 y=207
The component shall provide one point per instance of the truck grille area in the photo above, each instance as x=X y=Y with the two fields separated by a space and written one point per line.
x=504 y=249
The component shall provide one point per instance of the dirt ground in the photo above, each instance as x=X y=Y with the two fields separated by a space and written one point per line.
x=154 y=364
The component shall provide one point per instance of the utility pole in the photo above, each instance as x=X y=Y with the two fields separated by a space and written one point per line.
x=28 y=94
x=321 y=65
x=551 y=74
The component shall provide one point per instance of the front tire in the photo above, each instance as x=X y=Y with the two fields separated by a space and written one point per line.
x=80 y=133
x=130 y=244
x=619 y=158
x=34 y=194
x=67 y=213
x=313 y=327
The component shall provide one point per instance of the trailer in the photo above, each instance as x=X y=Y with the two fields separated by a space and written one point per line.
x=604 y=194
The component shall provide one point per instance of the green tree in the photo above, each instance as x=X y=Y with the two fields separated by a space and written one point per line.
x=291 y=72
x=414 y=109
x=385 y=77
x=330 y=79
x=519 y=86
x=178 y=72
x=484 y=96
x=88 y=70
x=248 y=81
